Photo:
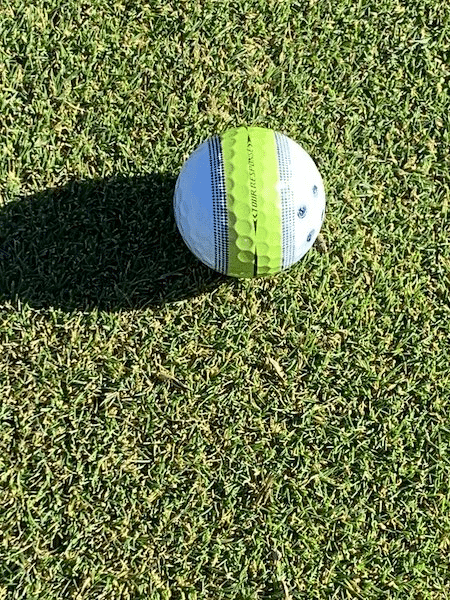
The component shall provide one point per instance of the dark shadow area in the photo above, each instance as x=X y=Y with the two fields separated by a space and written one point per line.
x=111 y=244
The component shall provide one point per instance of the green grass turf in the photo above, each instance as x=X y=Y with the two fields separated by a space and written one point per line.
x=170 y=433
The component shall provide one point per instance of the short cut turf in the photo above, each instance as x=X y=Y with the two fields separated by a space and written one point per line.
x=168 y=434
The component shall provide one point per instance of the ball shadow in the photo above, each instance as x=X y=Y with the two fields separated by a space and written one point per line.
x=111 y=244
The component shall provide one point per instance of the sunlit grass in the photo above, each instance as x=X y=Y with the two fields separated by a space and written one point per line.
x=169 y=434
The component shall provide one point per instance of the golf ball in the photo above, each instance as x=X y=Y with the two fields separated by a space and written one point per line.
x=249 y=202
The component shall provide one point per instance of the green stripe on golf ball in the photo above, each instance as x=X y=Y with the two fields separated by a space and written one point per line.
x=251 y=177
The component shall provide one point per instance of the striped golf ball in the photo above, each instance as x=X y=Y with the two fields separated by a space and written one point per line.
x=249 y=202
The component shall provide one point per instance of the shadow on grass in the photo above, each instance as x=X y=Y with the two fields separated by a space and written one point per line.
x=111 y=244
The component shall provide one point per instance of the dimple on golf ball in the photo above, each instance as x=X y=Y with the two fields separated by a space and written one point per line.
x=249 y=202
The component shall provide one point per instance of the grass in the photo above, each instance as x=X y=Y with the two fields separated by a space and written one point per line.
x=168 y=433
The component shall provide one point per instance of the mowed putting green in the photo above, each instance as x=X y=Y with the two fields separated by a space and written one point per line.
x=170 y=433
